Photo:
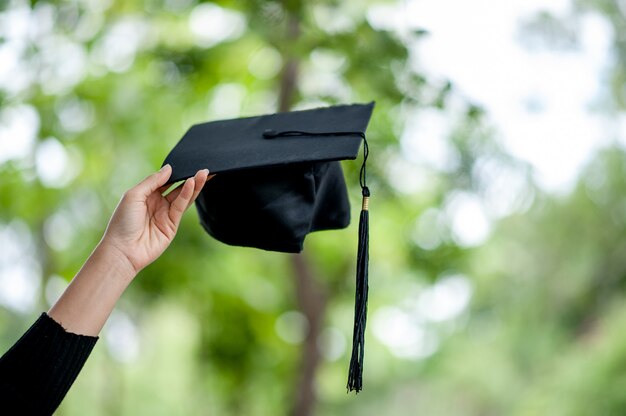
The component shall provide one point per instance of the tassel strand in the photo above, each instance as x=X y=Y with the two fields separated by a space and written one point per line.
x=355 y=374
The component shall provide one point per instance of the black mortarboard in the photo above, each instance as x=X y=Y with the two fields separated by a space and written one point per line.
x=278 y=179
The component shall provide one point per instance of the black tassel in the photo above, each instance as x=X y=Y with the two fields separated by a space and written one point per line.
x=355 y=374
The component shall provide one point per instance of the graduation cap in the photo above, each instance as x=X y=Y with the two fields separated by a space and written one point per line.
x=278 y=178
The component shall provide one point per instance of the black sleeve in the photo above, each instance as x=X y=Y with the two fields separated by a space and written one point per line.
x=39 y=369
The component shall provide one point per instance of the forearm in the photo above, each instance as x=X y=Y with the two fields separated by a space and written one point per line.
x=89 y=299
x=39 y=369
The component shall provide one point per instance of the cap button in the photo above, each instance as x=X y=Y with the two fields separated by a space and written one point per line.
x=269 y=133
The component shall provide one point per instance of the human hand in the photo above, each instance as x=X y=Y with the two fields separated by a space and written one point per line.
x=145 y=222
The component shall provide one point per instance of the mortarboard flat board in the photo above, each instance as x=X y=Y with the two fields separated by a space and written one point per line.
x=278 y=178
x=229 y=145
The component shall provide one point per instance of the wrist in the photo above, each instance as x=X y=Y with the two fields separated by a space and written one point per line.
x=116 y=260
x=85 y=305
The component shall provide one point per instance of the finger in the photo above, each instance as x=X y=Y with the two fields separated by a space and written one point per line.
x=153 y=182
x=180 y=204
x=173 y=194
x=199 y=181
x=208 y=178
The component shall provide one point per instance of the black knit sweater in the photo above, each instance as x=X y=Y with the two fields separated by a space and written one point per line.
x=39 y=369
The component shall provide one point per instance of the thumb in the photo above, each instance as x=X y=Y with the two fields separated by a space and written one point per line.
x=153 y=182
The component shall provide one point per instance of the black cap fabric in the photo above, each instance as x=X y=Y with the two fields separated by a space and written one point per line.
x=274 y=184
x=274 y=208
x=278 y=178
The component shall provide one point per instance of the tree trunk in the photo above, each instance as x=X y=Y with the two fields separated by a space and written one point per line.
x=310 y=294
x=312 y=301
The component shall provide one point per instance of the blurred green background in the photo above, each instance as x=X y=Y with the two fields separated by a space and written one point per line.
x=490 y=292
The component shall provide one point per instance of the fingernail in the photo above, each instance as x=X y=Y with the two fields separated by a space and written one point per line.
x=164 y=167
x=206 y=170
